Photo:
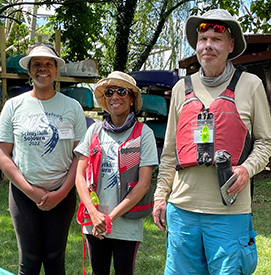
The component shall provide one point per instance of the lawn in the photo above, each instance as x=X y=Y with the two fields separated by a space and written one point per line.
x=151 y=254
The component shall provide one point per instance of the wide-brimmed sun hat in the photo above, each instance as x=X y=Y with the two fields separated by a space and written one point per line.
x=41 y=51
x=119 y=79
x=217 y=15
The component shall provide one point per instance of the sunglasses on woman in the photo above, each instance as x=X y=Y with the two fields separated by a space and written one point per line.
x=121 y=92
x=49 y=45
x=203 y=27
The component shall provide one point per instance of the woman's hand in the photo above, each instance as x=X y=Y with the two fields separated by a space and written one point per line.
x=12 y=173
x=96 y=234
x=49 y=200
x=99 y=222
x=37 y=194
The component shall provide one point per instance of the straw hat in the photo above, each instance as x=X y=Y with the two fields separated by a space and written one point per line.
x=120 y=79
x=41 y=51
x=217 y=15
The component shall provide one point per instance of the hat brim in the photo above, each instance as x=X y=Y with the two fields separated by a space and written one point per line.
x=104 y=83
x=25 y=60
x=239 y=40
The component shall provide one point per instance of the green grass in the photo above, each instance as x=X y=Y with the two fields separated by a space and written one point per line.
x=151 y=255
x=262 y=225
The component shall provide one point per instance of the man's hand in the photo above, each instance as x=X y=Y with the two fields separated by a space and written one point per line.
x=241 y=181
x=159 y=213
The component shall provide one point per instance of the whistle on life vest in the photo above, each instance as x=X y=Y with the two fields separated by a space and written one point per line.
x=205 y=133
x=94 y=198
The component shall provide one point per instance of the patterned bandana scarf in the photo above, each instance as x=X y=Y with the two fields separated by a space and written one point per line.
x=129 y=122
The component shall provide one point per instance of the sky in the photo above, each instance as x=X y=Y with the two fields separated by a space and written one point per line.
x=42 y=13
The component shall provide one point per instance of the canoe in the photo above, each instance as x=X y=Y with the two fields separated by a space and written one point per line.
x=154 y=105
x=13 y=66
x=84 y=68
x=158 y=127
x=81 y=94
x=163 y=79
x=5 y=272
x=17 y=90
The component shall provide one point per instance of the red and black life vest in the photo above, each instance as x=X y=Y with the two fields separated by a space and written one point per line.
x=229 y=131
x=128 y=163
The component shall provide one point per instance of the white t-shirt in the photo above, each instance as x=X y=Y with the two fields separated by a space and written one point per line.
x=123 y=228
x=43 y=133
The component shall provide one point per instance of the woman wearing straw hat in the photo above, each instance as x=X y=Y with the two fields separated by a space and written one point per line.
x=38 y=131
x=218 y=108
x=128 y=154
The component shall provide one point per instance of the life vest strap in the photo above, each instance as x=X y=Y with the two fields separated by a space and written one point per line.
x=188 y=85
x=108 y=230
x=234 y=80
x=141 y=207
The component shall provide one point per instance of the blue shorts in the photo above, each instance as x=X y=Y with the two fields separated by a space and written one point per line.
x=203 y=244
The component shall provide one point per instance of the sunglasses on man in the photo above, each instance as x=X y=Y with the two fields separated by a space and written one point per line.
x=204 y=27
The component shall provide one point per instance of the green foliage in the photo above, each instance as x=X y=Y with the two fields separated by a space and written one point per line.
x=152 y=252
x=80 y=26
x=263 y=194
x=262 y=221
x=258 y=19
x=18 y=40
x=150 y=258
x=128 y=35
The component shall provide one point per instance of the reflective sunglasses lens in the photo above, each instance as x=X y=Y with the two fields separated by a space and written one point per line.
x=122 y=92
x=108 y=92
x=203 y=27
x=219 y=28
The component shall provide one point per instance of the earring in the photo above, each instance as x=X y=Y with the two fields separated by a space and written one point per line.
x=30 y=82
x=131 y=104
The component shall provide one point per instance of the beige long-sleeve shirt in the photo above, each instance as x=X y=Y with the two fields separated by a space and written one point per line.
x=196 y=188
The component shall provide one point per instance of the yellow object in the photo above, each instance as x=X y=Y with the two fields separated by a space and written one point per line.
x=94 y=198
x=205 y=133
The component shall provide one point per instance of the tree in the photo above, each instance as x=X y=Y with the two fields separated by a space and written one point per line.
x=16 y=16
x=129 y=34
x=80 y=27
x=130 y=31
x=133 y=31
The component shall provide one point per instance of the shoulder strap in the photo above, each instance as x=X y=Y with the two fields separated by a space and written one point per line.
x=188 y=85
x=136 y=132
x=235 y=79
x=137 y=129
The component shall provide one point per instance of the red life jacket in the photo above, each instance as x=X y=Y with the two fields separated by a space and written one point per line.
x=128 y=162
x=229 y=131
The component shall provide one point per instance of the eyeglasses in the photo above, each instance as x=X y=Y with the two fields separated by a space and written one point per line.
x=49 y=45
x=203 y=27
x=122 y=92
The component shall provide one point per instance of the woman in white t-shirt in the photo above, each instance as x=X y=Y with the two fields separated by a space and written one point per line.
x=38 y=131
x=128 y=153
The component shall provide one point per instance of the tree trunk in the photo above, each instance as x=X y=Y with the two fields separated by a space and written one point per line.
x=125 y=15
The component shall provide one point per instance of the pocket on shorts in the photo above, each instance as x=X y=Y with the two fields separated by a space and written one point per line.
x=249 y=256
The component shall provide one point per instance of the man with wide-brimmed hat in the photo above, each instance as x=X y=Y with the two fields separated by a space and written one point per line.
x=219 y=117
